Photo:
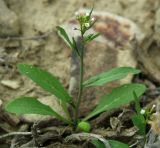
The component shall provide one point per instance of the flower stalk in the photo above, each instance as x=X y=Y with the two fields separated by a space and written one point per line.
x=81 y=79
x=85 y=22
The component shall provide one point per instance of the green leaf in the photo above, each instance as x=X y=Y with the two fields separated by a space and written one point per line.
x=91 y=37
x=75 y=47
x=30 y=105
x=118 y=97
x=62 y=33
x=139 y=121
x=97 y=143
x=47 y=81
x=117 y=144
x=137 y=103
x=113 y=144
x=114 y=74
x=91 y=12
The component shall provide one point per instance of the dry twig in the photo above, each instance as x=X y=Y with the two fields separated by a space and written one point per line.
x=26 y=38
x=87 y=136
x=15 y=133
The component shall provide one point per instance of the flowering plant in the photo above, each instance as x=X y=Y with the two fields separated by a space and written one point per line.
x=118 y=97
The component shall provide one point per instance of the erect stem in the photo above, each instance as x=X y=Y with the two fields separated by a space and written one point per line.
x=81 y=79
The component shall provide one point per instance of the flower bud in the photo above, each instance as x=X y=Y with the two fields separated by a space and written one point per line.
x=84 y=126
x=76 y=13
x=153 y=106
x=92 y=19
x=142 y=111
x=87 y=14
x=86 y=25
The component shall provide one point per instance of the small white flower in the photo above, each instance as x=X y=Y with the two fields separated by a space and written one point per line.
x=87 y=14
x=92 y=19
x=76 y=13
x=142 y=111
x=153 y=106
x=87 y=25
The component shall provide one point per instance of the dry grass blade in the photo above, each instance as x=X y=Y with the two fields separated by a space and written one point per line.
x=87 y=136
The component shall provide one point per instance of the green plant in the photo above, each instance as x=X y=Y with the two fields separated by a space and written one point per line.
x=138 y=118
x=118 y=97
x=113 y=144
x=142 y=116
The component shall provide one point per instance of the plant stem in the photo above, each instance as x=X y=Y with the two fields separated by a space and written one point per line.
x=81 y=79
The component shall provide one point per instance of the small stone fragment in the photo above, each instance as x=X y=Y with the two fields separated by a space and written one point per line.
x=11 y=84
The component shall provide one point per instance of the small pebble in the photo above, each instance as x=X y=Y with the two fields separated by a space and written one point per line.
x=11 y=84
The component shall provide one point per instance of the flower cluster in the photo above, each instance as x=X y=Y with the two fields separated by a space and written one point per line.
x=143 y=111
x=85 y=21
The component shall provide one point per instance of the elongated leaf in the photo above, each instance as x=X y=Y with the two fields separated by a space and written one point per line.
x=97 y=143
x=140 y=123
x=114 y=74
x=113 y=144
x=75 y=46
x=117 y=144
x=30 y=105
x=45 y=80
x=91 y=37
x=119 y=96
x=137 y=103
x=62 y=33
x=138 y=119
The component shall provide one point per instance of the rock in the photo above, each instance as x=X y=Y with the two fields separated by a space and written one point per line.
x=8 y=21
x=112 y=49
x=48 y=100
x=157 y=27
x=11 y=84
x=149 y=50
x=148 y=57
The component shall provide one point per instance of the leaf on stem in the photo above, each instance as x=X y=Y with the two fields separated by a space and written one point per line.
x=62 y=33
x=75 y=47
x=30 y=105
x=138 y=119
x=114 y=74
x=119 y=96
x=97 y=143
x=113 y=144
x=117 y=144
x=91 y=37
x=137 y=103
x=47 y=81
